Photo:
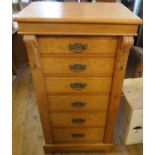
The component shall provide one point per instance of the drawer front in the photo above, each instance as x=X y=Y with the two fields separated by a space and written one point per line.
x=78 y=135
x=78 y=66
x=78 y=119
x=77 y=44
x=76 y=102
x=78 y=84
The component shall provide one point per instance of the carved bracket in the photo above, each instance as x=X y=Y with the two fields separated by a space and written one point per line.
x=126 y=43
x=32 y=50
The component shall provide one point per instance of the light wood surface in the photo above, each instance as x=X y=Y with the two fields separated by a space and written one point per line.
x=34 y=59
x=55 y=85
x=88 y=135
x=73 y=147
x=77 y=12
x=93 y=66
x=94 y=44
x=78 y=29
x=27 y=132
x=91 y=103
x=70 y=119
x=125 y=44
x=74 y=19
x=56 y=35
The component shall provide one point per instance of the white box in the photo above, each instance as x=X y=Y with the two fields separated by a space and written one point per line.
x=130 y=115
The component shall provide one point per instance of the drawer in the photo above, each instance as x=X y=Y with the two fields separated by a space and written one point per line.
x=77 y=44
x=78 y=84
x=78 y=119
x=76 y=102
x=78 y=66
x=78 y=135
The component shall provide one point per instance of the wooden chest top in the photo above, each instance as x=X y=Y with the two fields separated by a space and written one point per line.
x=56 y=18
x=77 y=13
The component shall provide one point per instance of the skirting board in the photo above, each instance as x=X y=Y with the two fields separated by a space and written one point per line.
x=49 y=148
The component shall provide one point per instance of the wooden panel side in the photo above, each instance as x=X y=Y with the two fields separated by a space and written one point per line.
x=34 y=60
x=124 y=46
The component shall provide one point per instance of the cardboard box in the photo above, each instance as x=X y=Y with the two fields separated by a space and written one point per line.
x=130 y=115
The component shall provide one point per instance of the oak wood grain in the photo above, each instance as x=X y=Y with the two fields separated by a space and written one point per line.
x=94 y=44
x=77 y=12
x=56 y=85
x=34 y=59
x=78 y=29
x=88 y=148
x=124 y=46
x=66 y=66
x=98 y=29
x=90 y=119
x=90 y=103
x=27 y=131
x=88 y=135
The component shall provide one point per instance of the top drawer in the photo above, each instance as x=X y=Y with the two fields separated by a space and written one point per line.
x=77 y=44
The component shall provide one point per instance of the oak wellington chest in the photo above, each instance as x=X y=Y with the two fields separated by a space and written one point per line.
x=77 y=54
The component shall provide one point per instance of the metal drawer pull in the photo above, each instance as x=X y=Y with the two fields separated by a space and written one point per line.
x=78 y=86
x=78 y=120
x=78 y=135
x=78 y=104
x=77 y=47
x=77 y=67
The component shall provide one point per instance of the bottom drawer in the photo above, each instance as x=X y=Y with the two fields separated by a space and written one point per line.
x=78 y=135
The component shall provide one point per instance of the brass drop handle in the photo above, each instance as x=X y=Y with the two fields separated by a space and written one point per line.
x=77 y=47
x=77 y=67
x=78 y=135
x=78 y=85
x=78 y=104
x=78 y=121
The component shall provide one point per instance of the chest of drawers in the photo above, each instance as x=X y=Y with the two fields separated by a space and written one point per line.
x=77 y=54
